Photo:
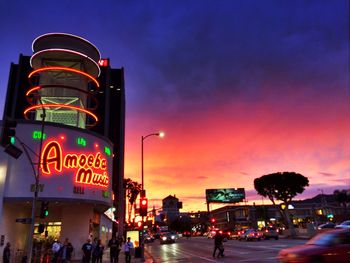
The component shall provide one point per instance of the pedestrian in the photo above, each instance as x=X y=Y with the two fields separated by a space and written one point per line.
x=87 y=250
x=7 y=253
x=97 y=252
x=127 y=250
x=100 y=251
x=56 y=246
x=114 y=249
x=65 y=253
x=218 y=244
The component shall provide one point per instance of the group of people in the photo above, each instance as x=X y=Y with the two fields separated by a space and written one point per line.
x=94 y=251
x=115 y=246
x=62 y=253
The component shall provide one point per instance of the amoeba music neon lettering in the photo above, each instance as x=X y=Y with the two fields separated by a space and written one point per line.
x=87 y=164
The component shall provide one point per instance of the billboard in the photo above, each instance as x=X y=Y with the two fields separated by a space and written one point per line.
x=226 y=195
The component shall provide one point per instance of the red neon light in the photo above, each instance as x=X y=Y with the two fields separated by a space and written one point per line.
x=91 y=169
x=32 y=90
x=55 y=86
x=65 y=69
x=60 y=106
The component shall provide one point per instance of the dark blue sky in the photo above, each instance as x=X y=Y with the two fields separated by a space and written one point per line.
x=233 y=83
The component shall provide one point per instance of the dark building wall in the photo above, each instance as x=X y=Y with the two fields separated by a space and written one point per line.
x=111 y=112
x=18 y=84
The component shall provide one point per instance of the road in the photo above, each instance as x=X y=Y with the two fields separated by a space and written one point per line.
x=200 y=249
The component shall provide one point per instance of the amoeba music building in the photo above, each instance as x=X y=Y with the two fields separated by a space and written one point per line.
x=69 y=105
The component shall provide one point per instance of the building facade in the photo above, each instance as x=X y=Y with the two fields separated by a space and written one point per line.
x=171 y=208
x=315 y=211
x=69 y=106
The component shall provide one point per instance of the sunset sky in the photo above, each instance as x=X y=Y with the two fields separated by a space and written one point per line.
x=241 y=88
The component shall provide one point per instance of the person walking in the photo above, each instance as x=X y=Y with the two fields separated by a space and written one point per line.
x=218 y=244
x=114 y=249
x=87 y=250
x=7 y=253
x=127 y=250
x=65 y=253
x=56 y=246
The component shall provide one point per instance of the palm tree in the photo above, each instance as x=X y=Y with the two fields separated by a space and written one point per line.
x=132 y=190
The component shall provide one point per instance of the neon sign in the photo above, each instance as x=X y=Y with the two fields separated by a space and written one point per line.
x=90 y=169
x=104 y=62
x=81 y=141
x=37 y=135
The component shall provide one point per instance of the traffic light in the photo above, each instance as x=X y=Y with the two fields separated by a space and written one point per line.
x=7 y=138
x=44 y=210
x=8 y=132
x=41 y=228
x=143 y=206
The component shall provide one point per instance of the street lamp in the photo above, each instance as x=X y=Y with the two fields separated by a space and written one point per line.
x=160 y=134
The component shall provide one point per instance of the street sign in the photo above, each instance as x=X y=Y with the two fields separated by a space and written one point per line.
x=40 y=187
x=24 y=220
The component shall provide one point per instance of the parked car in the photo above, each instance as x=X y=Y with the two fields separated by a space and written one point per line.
x=270 y=232
x=250 y=235
x=345 y=224
x=330 y=246
x=167 y=238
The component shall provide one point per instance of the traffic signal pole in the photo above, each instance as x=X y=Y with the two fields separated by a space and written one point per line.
x=36 y=190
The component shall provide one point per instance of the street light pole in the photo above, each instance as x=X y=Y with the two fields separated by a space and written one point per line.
x=160 y=134
x=143 y=193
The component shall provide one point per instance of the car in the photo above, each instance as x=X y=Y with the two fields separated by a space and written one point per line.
x=226 y=234
x=186 y=234
x=270 y=232
x=148 y=238
x=212 y=233
x=345 y=224
x=167 y=238
x=250 y=235
x=330 y=246
x=325 y=227
x=236 y=233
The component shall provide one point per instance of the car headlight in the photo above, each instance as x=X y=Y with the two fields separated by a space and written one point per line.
x=294 y=257
x=172 y=237
x=163 y=238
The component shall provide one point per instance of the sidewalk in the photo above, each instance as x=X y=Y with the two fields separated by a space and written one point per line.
x=105 y=259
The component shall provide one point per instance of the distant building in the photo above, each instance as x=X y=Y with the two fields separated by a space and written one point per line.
x=317 y=210
x=171 y=208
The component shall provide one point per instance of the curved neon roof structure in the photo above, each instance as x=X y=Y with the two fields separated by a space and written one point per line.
x=52 y=106
x=65 y=69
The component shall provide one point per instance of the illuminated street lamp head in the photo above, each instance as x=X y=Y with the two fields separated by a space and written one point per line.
x=161 y=134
